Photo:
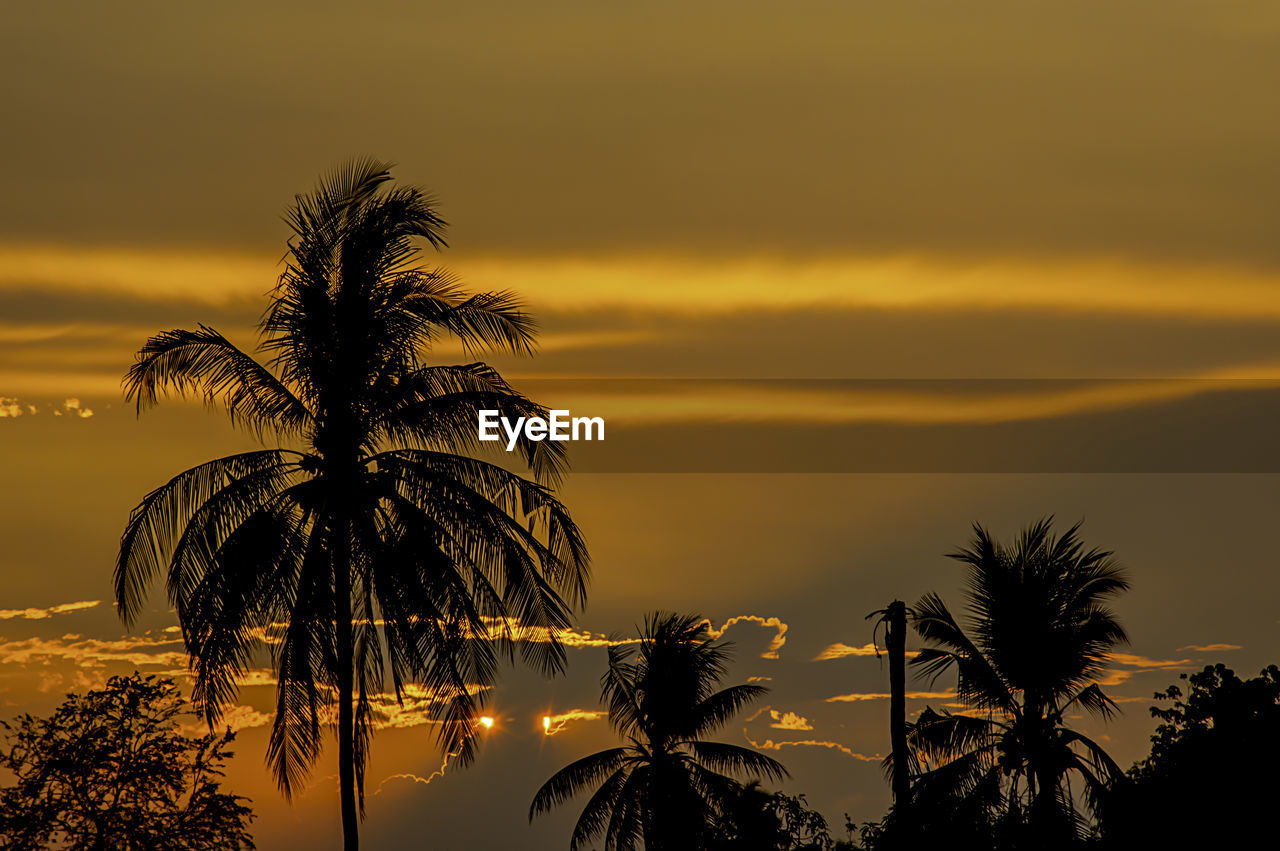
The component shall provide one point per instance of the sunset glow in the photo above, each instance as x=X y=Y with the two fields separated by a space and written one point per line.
x=839 y=281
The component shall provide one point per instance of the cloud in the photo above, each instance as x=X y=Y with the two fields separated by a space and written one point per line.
x=32 y=614
x=794 y=722
x=11 y=407
x=238 y=717
x=874 y=402
x=1210 y=648
x=840 y=651
x=789 y=721
x=92 y=652
x=1133 y=660
x=773 y=651
x=759 y=679
x=1135 y=664
x=417 y=705
x=771 y=745
x=511 y=628
x=882 y=282
x=257 y=677
x=73 y=408
x=856 y=697
x=415 y=778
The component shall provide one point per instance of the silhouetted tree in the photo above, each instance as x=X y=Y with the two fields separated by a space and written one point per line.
x=940 y=818
x=378 y=546
x=112 y=770
x=1038 y=637
x=1211 y=779
x=664 y=787
x=752 y=818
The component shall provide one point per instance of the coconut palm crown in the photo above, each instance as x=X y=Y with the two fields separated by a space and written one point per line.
x=369 y=547
x=663 y=788
x=1038 y=637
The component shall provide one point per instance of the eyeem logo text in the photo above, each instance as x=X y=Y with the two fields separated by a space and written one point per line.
x=560 y=426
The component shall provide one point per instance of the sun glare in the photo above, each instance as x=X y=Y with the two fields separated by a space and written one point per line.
x=486 y=722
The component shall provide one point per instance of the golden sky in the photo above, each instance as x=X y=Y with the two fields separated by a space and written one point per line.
x=918 y=191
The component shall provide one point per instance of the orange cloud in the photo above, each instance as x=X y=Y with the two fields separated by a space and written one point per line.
x=40 y=614
x=1210 y=648
x=92 y=652
x=238 y=717
x=771 y=745
x=1136 y=664
x=856 y=697
x=775 y=646
x=12 y=407
x=840 y=651
x=789 y=721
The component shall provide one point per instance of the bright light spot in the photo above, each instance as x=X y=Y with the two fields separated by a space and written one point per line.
x=486 y=722
x=546 y=723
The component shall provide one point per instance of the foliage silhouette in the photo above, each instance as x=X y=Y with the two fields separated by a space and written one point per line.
x=113 y=769
x=376 y=545
x=664 y=788
x=1038 y=637
x=752 y=818
x=1210 y=780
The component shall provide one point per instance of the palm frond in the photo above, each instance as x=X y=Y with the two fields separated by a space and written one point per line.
x=161 y=518
x=714 y=711
x=736 y=760
x=595 y=816
x=575 y=777
x=205 y=362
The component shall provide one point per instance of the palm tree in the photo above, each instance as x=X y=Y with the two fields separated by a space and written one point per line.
x=663 y=788
x=372 y=545
x=1038 y=637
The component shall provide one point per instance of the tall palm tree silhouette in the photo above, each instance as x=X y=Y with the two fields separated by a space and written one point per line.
x=662 y=789
x=1038 y=637
x=373 y=545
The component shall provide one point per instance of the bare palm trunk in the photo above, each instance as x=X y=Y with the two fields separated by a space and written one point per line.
x=896 y=639
x=346 y=710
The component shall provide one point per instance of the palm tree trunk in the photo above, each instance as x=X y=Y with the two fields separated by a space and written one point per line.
x=1048 y=825
x=346 y=709
x=896 y=639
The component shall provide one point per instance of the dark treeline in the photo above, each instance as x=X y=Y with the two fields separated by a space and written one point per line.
x=1007 y=771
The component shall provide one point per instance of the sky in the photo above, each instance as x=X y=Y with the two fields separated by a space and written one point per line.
x=843 y=277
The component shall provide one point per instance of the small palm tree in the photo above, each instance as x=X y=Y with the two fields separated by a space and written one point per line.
x=373 y=546
x=663 y=788
x=1038 y=637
